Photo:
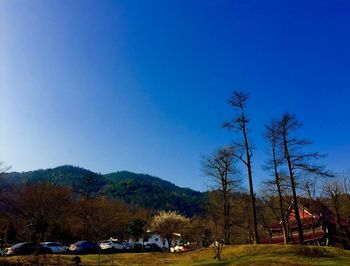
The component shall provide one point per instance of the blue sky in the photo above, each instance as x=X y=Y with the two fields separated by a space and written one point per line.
x=143 y=85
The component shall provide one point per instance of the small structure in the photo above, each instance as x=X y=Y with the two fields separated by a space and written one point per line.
x=154 y=238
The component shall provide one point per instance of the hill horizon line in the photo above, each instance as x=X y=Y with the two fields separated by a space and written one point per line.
x=11 y=171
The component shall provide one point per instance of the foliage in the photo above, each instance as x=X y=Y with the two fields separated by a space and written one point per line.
x=135 y=227
x=67 y=175
x=154 y=193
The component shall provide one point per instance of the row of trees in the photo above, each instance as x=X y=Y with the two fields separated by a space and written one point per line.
x=293 y=170
x=48 y=212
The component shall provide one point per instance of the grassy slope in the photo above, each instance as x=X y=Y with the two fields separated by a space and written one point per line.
x=233 y=255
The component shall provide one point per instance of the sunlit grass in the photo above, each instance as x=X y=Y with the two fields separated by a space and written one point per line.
x=259 y=255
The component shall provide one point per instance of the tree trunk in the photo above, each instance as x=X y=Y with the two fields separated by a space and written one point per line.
x=292 y=180
x=169 y=243
x=277 y=179
x=226 y=211
x=284 y=224
x=250 y=179
x=218 y=251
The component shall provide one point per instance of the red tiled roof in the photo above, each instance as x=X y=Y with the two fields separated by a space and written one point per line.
x=310 y=213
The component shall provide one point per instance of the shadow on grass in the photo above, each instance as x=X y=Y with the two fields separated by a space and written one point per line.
x=313 y=252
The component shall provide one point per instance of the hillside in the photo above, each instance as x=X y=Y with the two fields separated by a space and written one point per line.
x=138 y=189
x=153 y=193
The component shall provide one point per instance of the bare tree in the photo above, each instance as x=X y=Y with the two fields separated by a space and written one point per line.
x=272 y=134
x=310 y=189
x=221 y=168
x=297 y=160
x=346 y=183
x=216 y=235
x=333 y=192
x=4 y=168
x=270 y=213
x=238 y=101
x=337 y=198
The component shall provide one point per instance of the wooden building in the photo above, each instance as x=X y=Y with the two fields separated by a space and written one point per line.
x=319 y=224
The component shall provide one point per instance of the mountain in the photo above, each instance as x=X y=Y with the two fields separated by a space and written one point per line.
x=153 y=193
x=141 y=190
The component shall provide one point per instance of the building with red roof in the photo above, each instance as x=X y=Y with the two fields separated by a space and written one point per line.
x=319 y=224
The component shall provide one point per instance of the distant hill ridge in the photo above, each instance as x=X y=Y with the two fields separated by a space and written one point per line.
x=142 y=190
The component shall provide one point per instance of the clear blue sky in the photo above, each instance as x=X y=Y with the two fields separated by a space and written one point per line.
x=143 y=85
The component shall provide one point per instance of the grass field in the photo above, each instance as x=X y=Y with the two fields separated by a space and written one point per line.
x=232 y=255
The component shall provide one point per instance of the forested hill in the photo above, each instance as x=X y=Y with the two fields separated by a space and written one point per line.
x=139 y=189
x=74 y=177
x=154 y=193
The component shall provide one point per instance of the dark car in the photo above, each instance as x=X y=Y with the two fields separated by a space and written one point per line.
x=152 y=248
x=27 y=248
x=55 y=247
x=84 y=247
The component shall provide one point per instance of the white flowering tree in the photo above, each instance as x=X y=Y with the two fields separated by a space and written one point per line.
x=168 y=223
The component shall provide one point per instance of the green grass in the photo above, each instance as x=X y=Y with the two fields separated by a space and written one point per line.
x=281 y=255
x=257 y=255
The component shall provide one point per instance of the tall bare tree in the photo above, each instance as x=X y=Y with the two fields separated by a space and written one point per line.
x=221 y=168
x=272 y=134
x=297 y=160
x=238 y=101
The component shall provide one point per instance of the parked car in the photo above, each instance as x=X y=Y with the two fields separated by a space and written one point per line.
x=152 y=248
x=84 y=247
x=27 y=248
x=55 y=247
x=112 y=245
x=128 y=245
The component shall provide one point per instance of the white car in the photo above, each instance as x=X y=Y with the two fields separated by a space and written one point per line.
x=177 y=248
x=113 y=245
x=55 y=247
